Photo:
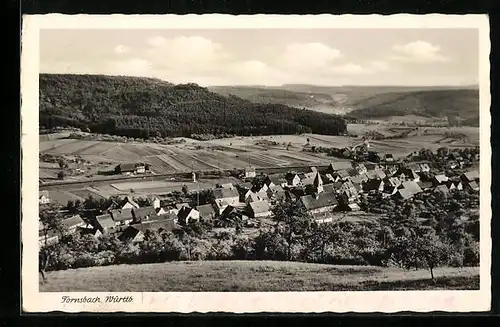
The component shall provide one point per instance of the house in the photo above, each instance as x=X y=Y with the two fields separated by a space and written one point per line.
x=187 y=214
x=250 y=172
x=276 y=193
x=392 y=181
x=104 y=222
x=407 y=190
x=376 y=173
x=404 y=194
x=319 y=204
x=134 y=168
x=252 y=197
x=179 y=206
x=419 y=167
x=341 y=175
x=273 y=180
x=47 y=238
x=259 y=209
x=454 y=185
x=228 y=186
x=224 y=197
x=374 y=186
x=407 y=174
x=207 y=212
x=132 y=234
x=155 y=202
x=229 y=211
x=439 y=179
x=95 y=232
x=425 y=185
x=470 y=176
x=143 y=213
x=338 y=166
x=164 y=216
x=121 y=216
x=307 y=181
x=292 y=179
x=388 y=157
x=442 y=189
x=359 y=179
x=160 y=211
x=473 y=186
x=330 y=177
x=361 y=169
x=127 y=203
x=43 y=197
x=349 y=190
x=72 y=223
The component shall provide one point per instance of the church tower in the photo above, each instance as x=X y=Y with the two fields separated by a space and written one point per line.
x=318 y=184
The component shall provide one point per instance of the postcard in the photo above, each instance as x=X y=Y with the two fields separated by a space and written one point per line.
x=265 y=163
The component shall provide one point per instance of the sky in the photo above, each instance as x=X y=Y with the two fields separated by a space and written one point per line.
x=270 y=57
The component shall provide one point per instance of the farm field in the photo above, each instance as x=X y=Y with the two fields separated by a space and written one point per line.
x=254 y=276
x=256 y=151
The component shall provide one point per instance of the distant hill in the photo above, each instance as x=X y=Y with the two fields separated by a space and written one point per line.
x=369 y=101
x=462 y=103
x=143 y=107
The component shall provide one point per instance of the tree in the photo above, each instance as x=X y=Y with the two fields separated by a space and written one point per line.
x=52 y=220
x=61 y=174
x=293 y=221
x=185 y=189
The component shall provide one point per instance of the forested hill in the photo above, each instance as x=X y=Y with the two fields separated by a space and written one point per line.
x=463 y=103
x=143 y=107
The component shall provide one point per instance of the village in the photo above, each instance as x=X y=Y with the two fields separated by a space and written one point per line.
x=325 y=194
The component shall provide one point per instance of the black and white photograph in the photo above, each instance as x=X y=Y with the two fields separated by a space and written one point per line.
x=244 y=159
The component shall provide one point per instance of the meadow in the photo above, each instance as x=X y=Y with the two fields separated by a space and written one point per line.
x=254 y=276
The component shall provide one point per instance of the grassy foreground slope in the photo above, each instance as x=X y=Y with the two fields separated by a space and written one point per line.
x=145 y=107
x=213 y=276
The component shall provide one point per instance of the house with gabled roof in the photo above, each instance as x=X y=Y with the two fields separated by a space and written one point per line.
x=375 y=174
x=121 y=216
x=131 y=167
x=131 y=234
x=187 y=214
x=259 y=209
x=228 y=211
x=143 y=213
x=473 y=186
x=276 y=193
x=274 y=180
x=439 y=179
x=454 y=185
x=105 y=222
x=252 y=197
x=470 y=176
x=292 y=179
x=338 y=166
x=442 y=189
x=319 y=204
x=374 y=186
x=425 y=185
x=72 y=223
x=250 y=172
x=127 y=203
x=43 y=197
x=207 y=212
x=349 y=190
x=407 y=174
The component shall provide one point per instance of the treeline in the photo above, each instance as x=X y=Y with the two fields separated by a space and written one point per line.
x=141 y=108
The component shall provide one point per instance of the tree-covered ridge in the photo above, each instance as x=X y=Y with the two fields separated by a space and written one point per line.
x=140 y=107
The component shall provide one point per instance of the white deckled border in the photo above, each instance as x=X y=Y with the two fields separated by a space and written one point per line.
x=380 y=301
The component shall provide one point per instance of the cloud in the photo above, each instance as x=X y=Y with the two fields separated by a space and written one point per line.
x=130 y=67
x=120 y=49
x=419 y=52
x=308 y=56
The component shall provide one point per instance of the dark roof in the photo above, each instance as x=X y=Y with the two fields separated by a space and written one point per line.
x=129 y=234
x=424 y=185
x=228 y=210
x=143 y=212
x=290 y=176
x=277 y=180
x=105 y=221
x=259 y=206
x=129 y=166
x=372 y=184
x=224 y=193
x=184 y=213
x=277 y=189
x=323 y=200
x=121 y=214
x=128 y=199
